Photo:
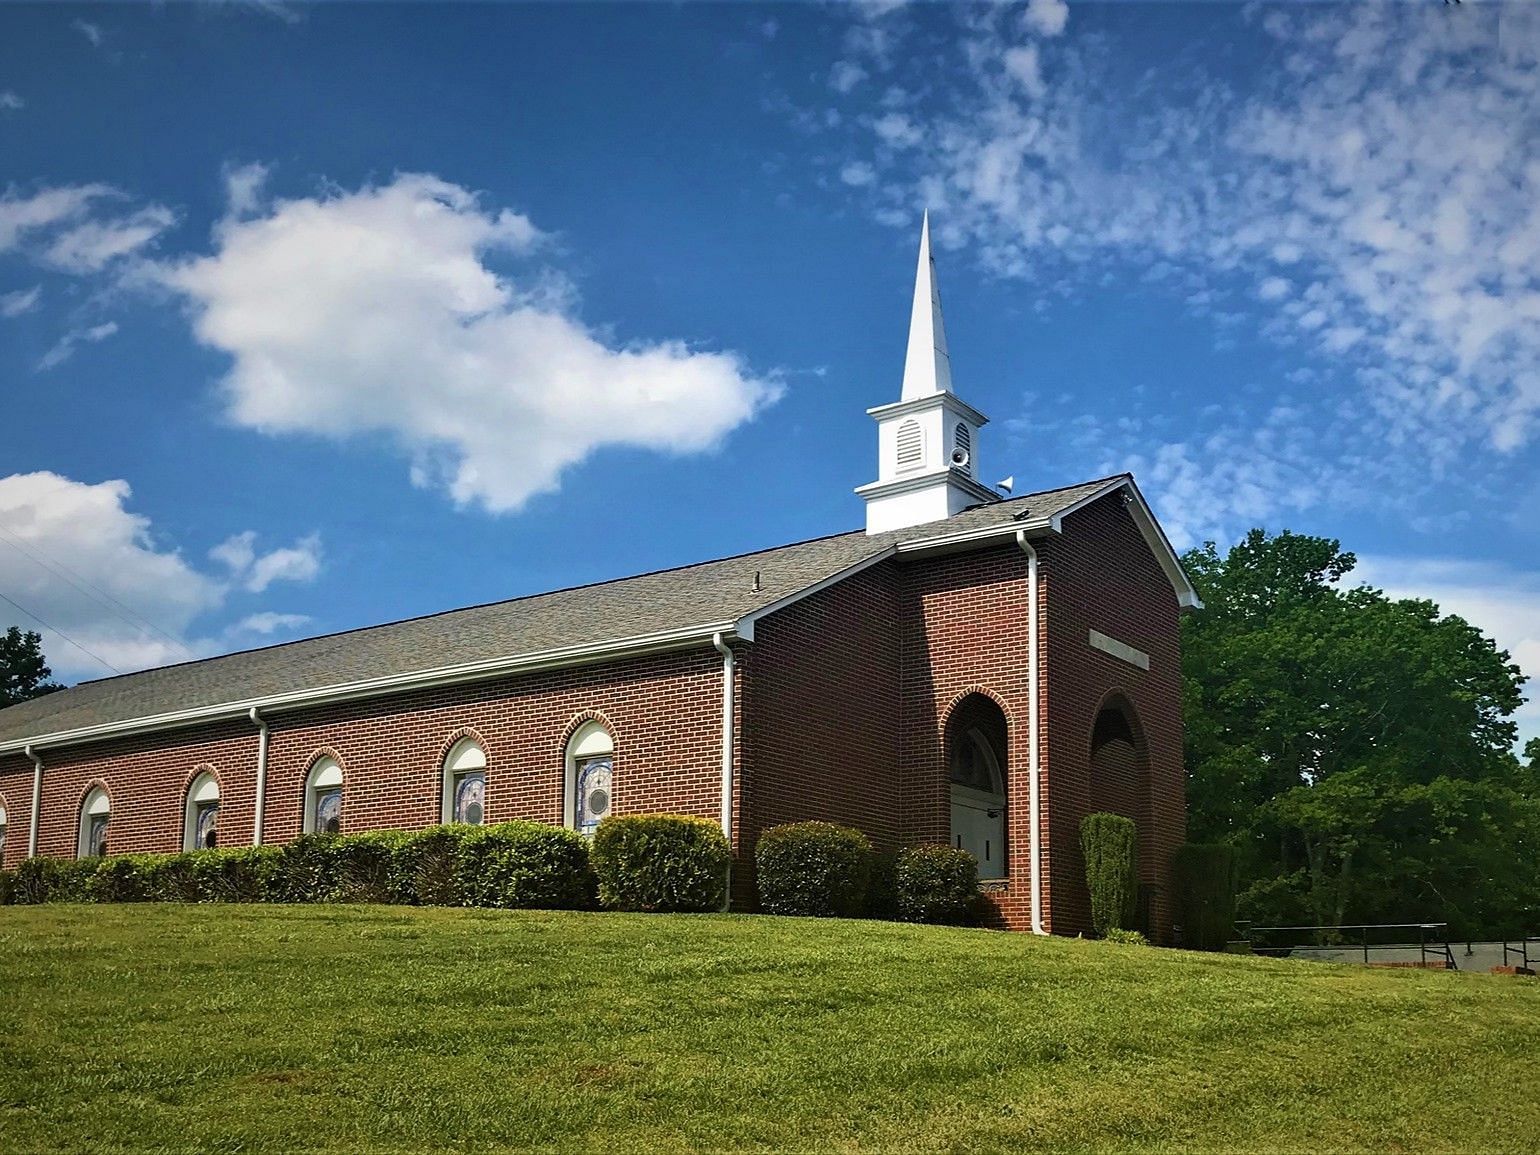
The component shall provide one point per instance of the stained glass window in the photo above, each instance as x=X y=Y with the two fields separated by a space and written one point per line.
x=96 y=837
x=470 y=797
x=206 y=826
x=593 y=792
x=328 y=810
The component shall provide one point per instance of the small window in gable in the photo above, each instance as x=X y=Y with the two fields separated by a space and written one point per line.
x=465 y=783
x=95 y=814
x=323 y=798
x=200 y=822
x=590 y=770
x=911 y=445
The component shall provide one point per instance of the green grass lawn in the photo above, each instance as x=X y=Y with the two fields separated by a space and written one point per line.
x=283 y=1028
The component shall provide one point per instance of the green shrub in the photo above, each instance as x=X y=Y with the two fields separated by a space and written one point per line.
x=364 y=865
x=424 y=866
x=936 y=884
x=661 y=862
x=1108 y=842
x=41 y=880
x=1127 y=937
x=128 y=878
x=236 y=874
x=882 y=889
x=7 y=887
x=813 y=868
x=525 y=864
x=309 y=869
x=1204 y=876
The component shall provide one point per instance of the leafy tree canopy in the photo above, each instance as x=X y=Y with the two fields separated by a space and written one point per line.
x=23 y=672
x=1356 y=750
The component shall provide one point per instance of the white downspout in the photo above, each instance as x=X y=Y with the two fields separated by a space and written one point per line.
x=37 y=800
x=261 y=810
x=728 y=691
x=1034 y=795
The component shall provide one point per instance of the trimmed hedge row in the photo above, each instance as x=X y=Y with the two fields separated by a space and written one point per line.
x=516 y=864
x=823 y=870
x=639 y=863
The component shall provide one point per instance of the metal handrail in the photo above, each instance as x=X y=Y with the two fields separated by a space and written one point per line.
x=1424 y=946
x=1522 y=950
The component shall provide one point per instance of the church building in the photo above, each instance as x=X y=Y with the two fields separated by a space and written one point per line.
x=966 y=669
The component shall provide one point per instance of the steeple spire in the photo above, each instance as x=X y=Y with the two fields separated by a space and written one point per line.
x=927 y=368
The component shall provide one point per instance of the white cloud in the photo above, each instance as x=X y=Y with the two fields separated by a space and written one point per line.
x=270 y=623
x=244 y=186
x=74 y=555
x=845 y=75
x=1046 y=17
x=379 y=311
x=11 y=102
x=92 y=245
x=92 y=32
x=858 y=172
x=20 y=216
x=65 y=347
x=254 y=572
x=21 y=301
x=1502 y=602
x=1022 y=63
x=71 y=228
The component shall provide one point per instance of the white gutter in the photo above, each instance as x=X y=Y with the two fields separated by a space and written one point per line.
x=1034 y=767
x=412 y=680
x=37 y=800
x=728 y=692
x=256 y=826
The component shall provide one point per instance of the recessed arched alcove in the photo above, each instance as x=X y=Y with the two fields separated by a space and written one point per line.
x=1120 y=773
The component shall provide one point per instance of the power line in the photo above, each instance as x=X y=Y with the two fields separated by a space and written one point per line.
x=62 y=634
x=96 y=593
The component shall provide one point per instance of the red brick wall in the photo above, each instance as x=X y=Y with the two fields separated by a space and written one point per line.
x=665 y=713
x=1101 y=575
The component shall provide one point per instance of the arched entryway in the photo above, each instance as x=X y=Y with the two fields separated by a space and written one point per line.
x=976 y=744
x=1120 y=777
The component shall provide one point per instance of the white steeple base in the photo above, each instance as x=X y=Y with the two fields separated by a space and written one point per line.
x=919 y=498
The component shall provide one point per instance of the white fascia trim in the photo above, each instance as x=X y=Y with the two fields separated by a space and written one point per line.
x=953 y=541
x=1155 y=537
x=744 y=627
x=929 y=401
x=395 y=683
x=917 y=481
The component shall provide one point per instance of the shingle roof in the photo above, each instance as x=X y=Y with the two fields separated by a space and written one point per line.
x=705 y=594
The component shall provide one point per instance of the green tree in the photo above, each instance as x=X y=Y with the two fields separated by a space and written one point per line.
x=1355 y=750
x=23 y=672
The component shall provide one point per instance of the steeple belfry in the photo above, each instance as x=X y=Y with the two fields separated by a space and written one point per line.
x=927 y=368
x=926 y=440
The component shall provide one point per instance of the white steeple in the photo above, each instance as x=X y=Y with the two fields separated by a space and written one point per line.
x=927 y=368
x=927 y=440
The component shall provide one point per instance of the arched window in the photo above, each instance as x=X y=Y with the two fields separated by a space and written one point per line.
x=976 y=745
x=911 y=445
x=465 y=783
x=200 y=822
x=590 y=767
x=95 y=812
x=2 y=833
x=323 y=797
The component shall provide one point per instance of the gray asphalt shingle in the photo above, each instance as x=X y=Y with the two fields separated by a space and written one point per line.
x=696 y=595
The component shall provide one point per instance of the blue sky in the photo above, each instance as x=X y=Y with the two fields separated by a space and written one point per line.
x=314 y=317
